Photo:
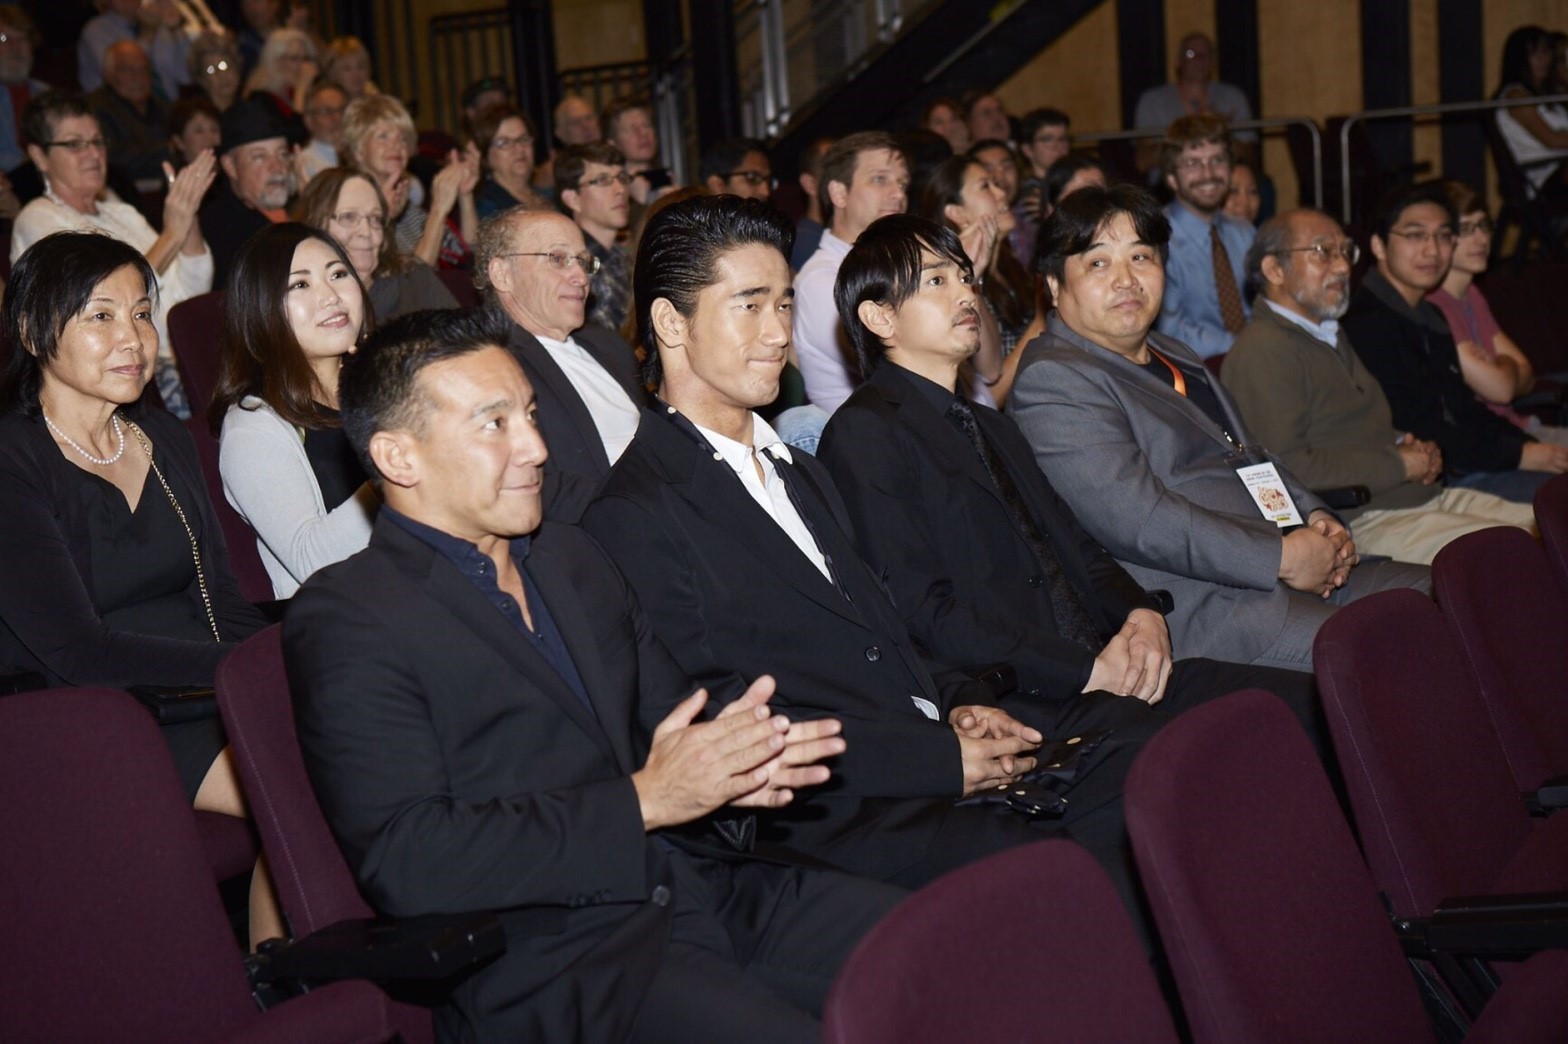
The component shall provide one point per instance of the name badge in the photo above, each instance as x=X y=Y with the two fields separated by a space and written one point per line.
x=1269 y=493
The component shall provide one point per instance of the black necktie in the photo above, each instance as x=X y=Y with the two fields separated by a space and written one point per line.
x=1073 y=621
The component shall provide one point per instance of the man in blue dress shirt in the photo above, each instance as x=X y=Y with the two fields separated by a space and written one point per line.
x=1204 y=306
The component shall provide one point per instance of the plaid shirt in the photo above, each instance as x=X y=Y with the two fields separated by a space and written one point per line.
x=611 y=294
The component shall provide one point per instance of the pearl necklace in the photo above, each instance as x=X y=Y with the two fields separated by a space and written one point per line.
x=102 y=462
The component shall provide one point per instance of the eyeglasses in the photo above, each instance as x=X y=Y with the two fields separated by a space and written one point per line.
x=562 y=260
x=351 y=220
x=78 y=145
x=326 y=110
x=753 y=177
x=1193 y=163
x=606 y=180
x=1326 y=254
x=1422 y=236
x=216 y=67
x=1470 y=228
x=503 y=144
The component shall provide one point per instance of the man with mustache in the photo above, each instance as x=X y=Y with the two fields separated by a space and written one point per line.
x=1307 y=395
x=984 y=560
x=258 y=170
x=1203 y=305
x=1155 y=460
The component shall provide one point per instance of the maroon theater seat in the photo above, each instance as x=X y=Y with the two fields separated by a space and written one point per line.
x=1551 y=515
x=195 y=327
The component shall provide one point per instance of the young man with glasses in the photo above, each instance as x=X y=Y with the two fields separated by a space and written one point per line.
x=535 y=266
x=1406 y=344
x=1203 y=306
x=737 y=167
x=1309 y=398
x=592 y=184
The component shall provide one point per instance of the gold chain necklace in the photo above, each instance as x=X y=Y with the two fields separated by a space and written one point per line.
x=201 y=579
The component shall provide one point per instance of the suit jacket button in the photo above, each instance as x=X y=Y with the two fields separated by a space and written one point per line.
x=873 y=654
x=1035 y=581
x=661 y=896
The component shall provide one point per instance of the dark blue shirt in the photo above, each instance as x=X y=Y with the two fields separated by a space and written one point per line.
x=478 y=570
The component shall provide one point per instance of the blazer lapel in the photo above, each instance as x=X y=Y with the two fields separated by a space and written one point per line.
x=454 y=593
x=546 y=371
x=948 y=444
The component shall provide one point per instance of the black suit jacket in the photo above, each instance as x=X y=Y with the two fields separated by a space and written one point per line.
x=460 y=773
x=733 y=598
x=927 y=514
x=578 y=462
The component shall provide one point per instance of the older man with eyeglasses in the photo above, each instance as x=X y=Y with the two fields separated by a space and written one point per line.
x=1406 y=344
x=1307 y=395
x=535 y=266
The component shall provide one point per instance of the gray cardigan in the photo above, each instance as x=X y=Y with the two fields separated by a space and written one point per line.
x=267 y=477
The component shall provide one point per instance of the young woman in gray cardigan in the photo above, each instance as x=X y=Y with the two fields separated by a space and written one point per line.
x=295 y=309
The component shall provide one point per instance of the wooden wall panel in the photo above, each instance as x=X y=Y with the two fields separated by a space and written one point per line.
x=1309 y=65
x=1078 y=74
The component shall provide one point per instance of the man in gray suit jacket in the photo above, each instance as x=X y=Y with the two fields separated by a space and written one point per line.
x=1155 y=461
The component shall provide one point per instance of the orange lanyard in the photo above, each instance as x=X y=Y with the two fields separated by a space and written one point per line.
x=1177 y=379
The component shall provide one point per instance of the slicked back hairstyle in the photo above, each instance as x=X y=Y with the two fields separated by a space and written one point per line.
x=884 y=267
x=1402 y=197
x=44 y=113
x=839 y=162
x=319 y=201
x=718 y=160
x=49 y=286
x=680 y=251
x=1079 y=219
x=258 y=353
x=379 y=389
x=572 y=161
x=1201 y=128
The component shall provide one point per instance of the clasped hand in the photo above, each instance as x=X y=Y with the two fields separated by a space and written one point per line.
x=1136 y=661
x=992 y=744
x=746 y=756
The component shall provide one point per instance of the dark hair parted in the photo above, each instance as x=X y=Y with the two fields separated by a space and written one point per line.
x=884 y=267
x=1402 y=197
x=50 y=284
x=572 y=161
x=839 y=162
x=319 y=201
x=258 y=353
x=680 y=250
x=44 y=113
x=718 y=160
x=1009 y=291
x=378 y=388
x=1079 y=219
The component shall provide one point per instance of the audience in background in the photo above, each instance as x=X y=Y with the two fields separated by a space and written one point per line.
x=1204 y=307
x=504 y=136
x=593 y=187
x=216 y=69
x=1194 y=92
x=71 y=157
x=134 y=121
x=348 y=206
x=295 y=310
x=256 y=184
x=1406 y=344
x=194 y=128
x=346 y=63
x=1244 y=200
x=1536 y=135
x=941 y=116
x=17 y=89
x=739 y=167
x=283 y=73
x=1493 y=366
x=986 y=117
x=628 y=125
x=325 y=104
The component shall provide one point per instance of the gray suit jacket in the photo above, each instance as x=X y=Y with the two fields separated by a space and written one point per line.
x=1149 y=475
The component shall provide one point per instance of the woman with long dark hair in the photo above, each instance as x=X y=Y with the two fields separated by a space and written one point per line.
x=1536 y=135
x=295 y=309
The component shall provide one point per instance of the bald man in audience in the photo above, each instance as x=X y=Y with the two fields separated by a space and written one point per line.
x=1308 y=397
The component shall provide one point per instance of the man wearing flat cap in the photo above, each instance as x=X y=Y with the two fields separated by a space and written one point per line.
x=258 y=180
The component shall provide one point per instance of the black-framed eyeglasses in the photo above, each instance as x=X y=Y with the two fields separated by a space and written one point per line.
x=562 y=260
x=1470 y=228
x=1440 y=236
x=606 y=180
x=78 y=144
x=1320 y=252
x=753 y=177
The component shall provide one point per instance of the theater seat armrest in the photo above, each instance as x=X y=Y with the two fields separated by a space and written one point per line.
x=1548 y=797
x=1344 y=498
x=1491 y=926
x=380 y=949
